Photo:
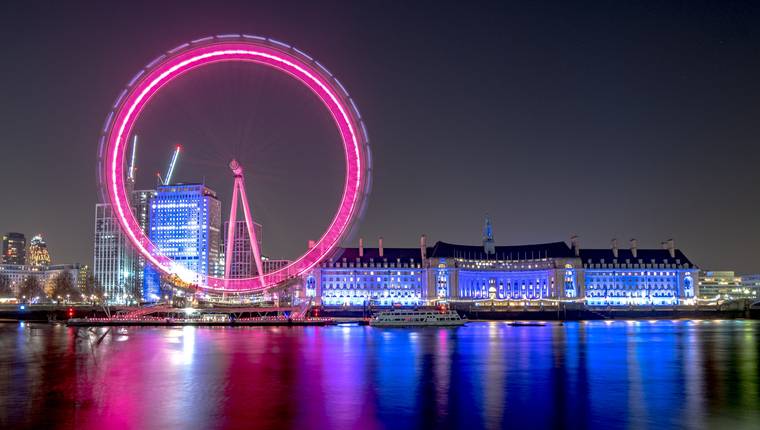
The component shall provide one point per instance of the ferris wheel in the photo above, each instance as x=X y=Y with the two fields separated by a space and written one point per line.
x=236 y=48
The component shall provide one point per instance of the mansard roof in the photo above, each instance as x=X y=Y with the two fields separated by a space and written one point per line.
x=643 y=256
x=390 y=254
x=514 y=252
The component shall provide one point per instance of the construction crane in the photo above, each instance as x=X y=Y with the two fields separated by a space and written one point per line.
x=131 y=171
x=168 y=177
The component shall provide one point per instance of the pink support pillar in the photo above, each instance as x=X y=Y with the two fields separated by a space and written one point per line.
x=251 y=232
x=231 y=231
x=239 y=188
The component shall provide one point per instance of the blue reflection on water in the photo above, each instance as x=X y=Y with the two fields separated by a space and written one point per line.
x=613 y=374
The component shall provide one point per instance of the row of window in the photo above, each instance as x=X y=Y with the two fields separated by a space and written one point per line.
x=330 y=286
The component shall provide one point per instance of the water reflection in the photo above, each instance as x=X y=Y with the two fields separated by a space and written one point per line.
x=607 y=374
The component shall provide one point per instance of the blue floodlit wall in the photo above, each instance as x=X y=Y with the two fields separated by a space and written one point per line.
x=151 y=284
x=182 y=220
x=598 y=277
x=442 y=281
x=376 y=286
x=311 y=286
x=638 y=287
x=474 y=284
x=570 y=282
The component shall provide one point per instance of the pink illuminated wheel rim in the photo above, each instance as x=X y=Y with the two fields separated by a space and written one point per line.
x=280 y=56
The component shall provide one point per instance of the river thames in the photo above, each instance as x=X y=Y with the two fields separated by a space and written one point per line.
x=599 y=375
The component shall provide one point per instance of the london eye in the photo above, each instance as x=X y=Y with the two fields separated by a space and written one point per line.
x=148 y=81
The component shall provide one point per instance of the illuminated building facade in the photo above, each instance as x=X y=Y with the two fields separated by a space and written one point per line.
x=114 y=259
x=14 y=248
x=185 y=225
x=84 y=273
x=526 y=273
x=141 y=200
x=722 y=285
x=16 y=273
x=370 y=276
x=38 y=252
x=638 y=277
x=751 y=286
x=242 y=265
x=117 y=267
x=270 y=265
x=531 y=272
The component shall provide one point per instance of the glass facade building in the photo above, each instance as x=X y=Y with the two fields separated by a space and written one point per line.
x=243 y=264
x=141 y=200
x=14 y=248
x=114 y=259
x=185 y=224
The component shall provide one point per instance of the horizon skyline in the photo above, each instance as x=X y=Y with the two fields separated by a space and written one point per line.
x=602 y=144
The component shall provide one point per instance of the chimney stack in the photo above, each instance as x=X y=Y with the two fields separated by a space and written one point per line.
x=423 y=247
x=634 y=248
x=380 y=246
x=361 y=247
x=574 y=244
x=671 y=248
x=614 y=248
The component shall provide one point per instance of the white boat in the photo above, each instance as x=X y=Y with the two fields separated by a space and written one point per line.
x=408 y=318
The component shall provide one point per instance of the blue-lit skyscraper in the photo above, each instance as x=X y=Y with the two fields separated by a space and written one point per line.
x=185 y=224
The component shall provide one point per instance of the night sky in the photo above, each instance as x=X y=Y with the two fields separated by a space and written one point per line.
x=602 y=119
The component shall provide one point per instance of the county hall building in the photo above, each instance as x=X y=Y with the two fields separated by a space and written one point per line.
x=536 y=273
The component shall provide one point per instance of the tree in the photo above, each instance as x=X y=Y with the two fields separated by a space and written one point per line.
x=30 y=288
x=64 y=287
x=92 y=287
x=5 y=286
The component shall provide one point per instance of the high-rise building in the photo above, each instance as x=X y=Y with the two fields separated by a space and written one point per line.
x=117 y=266
x=243 y=265
x=14 y=248
x=114 y=260
x=141 y=207
x=38 y=252
x=185 y=224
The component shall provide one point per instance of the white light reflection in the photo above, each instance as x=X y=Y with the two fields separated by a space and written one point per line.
x=184 y=356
